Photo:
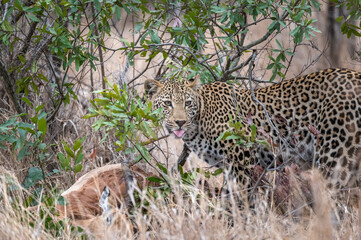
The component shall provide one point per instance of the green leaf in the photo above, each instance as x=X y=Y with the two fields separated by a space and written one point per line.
x=253 y=132
x=34 y=175
x=295 y=31
x=42 y=146
x=217 y=172
x=23 y=153
x=223 y=135
x=64 y=162
x=162 y=168
x=34 y=67
x=79 y=158
x=144 y=152
x=78 y=168
x=6 y=26
x=18 y=5
x=339 y=19
x=3 y=146
x=69 y=151
x=38 y=108
x=42 y=115
x=58 y=11
x=117 y=12
x=154 y=36
x=138 y=27
x=77 y=64
x=9 y=122
x=217 y=9
x=102 y=101
x=78 y=143
x=125 y=42
x=148 y=131
x=232 y=137
x=155 y=179
x=264 y=142
x=97 y=5
x=90 y=115
x=32 y=17
x=61 y=157
x=42 y=125
x=279 y=44
x=316 y=4
x=27 y=101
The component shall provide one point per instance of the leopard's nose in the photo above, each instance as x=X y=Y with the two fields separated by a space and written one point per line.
x=180 y=123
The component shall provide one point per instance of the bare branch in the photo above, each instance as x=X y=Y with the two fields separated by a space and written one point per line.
x=5 y=12
x=102 y=70
x=254 y=54
x=36 y=55
x=141 y=73
x=10 y=91
x=226 y=74
x=191 y=53
x=253 y=79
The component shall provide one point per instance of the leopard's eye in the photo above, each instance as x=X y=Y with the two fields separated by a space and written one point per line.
x=187 y=103
x=168 y=103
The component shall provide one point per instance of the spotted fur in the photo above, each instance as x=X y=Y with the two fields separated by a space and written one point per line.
x=329 y=101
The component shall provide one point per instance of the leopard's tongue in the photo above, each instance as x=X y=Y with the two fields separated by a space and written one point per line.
x=179 y=133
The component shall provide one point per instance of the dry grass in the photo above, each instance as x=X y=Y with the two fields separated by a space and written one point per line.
x=193 y=216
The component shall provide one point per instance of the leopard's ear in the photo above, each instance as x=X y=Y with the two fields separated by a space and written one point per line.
x=194 y=83
x=151 y=87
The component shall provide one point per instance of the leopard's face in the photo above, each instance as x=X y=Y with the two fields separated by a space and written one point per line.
x=179 y=102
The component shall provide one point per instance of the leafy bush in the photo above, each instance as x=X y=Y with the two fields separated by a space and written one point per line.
x=128 y=118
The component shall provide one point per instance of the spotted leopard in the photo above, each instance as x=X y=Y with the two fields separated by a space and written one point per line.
x=328 y=101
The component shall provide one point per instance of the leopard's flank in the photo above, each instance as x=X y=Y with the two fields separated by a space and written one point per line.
x=328 y=102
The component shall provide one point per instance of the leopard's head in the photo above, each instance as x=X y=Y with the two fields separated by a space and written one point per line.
x=179 y=102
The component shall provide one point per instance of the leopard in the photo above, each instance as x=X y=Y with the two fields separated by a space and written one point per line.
x=327 y=101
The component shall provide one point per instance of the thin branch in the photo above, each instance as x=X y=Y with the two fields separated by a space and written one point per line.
x=191 y=53
x=150 y=164
x=254 y=54
x=91 y=76
x=10 y=91
x=149 y=141
x=159 y=72
x=289 y=62
x=253 y=79
x=102 y=70
x=27 y=40
x=24 y=50
x=268 y=33
x=227 y=73
x=141 y=73
x=5 y=12
x=49 y=118
x=38 y=51
x=122 y=75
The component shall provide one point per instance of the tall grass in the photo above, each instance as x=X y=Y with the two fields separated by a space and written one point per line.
x=189 y=213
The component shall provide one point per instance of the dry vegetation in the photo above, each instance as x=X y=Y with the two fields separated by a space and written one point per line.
x=192 y=216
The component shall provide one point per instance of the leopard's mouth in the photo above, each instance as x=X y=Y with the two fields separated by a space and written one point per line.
x=179 y=132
